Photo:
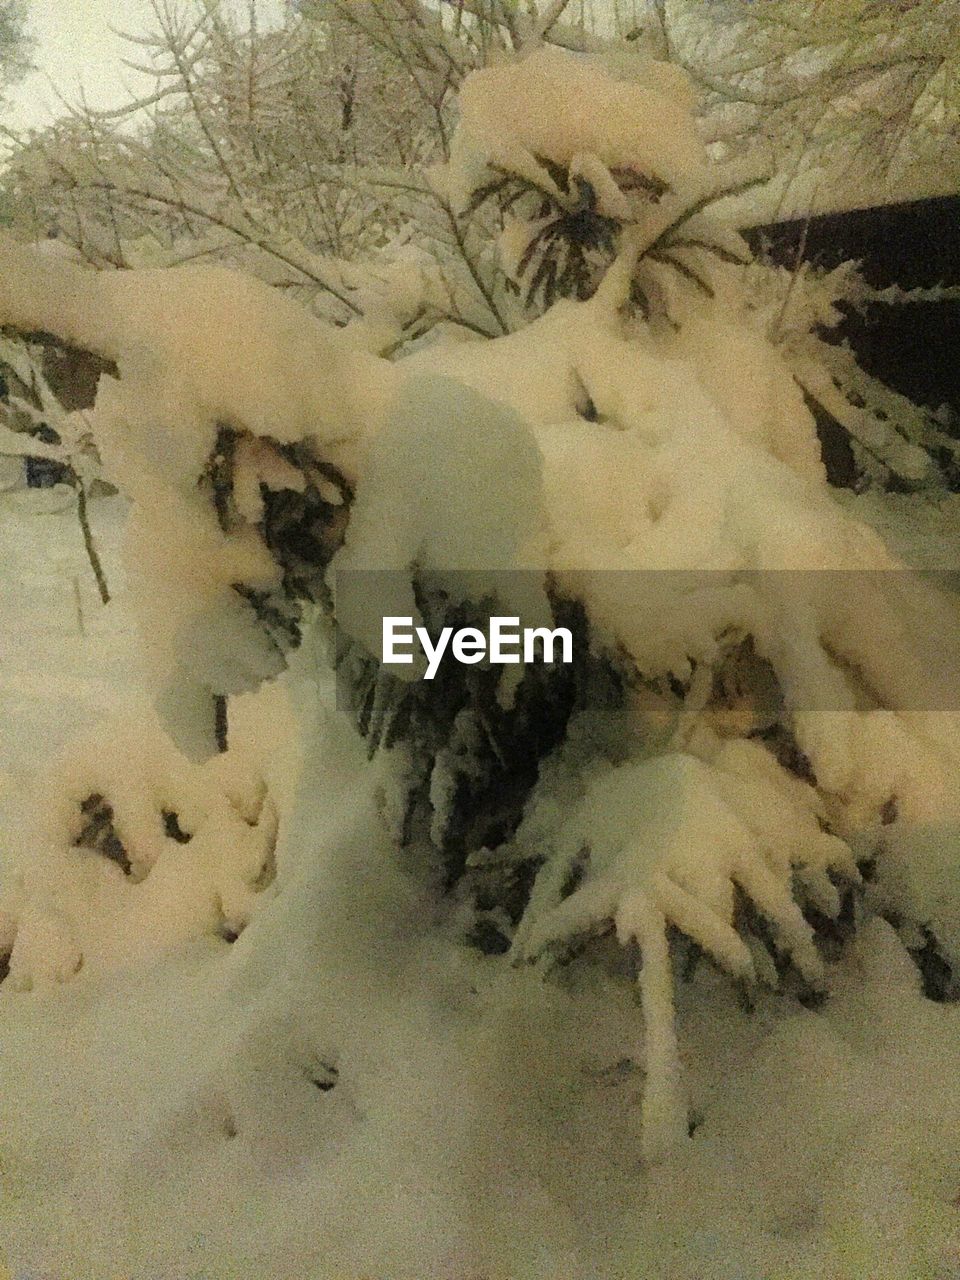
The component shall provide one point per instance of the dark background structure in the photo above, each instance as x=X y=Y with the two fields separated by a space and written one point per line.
x=914 y=348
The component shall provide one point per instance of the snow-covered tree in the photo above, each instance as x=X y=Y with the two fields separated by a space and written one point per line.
x=864 y=89
x=606 y=429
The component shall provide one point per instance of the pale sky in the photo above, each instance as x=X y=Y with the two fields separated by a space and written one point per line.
x=75 y=47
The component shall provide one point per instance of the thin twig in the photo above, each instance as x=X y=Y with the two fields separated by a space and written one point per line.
x=472 y=267
x=261 y=242
x=89 y=544
x=78 y=602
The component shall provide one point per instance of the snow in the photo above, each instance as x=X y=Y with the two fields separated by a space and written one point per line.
x=668 y=839
x=197 y=346
x=415 y=510
x=483 y=1121
x=240 y=1022
x=200 y=637
x=917 y=869
x=718 y=479
x=199 y=349
x=85 y=910
x=52 y=620
x=575 y=113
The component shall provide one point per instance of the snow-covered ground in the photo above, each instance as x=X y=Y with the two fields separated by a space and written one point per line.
x=52 y=621
x=348 y=1091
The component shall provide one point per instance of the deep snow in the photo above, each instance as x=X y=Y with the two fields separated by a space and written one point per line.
x=160 y=1117
x=244 y=1032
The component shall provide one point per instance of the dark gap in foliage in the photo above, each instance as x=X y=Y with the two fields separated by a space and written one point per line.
x=220 y=722
x=488 y=937
x=98 y=833
x=750 y=922
x=833 y=933
x=940 y=981
x=172 y=828
x=324 y=1076
x=835 y=448
x=491 y=754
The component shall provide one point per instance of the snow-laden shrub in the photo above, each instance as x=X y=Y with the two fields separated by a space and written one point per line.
x=577 y=182
x=762 y=688
x=570 y=182
x=131 y=851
